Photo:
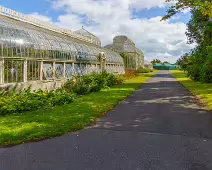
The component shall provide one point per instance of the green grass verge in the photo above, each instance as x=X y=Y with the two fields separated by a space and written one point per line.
x=202 y=90
x=43 y=124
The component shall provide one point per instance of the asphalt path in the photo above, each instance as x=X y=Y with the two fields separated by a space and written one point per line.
x=160 y=127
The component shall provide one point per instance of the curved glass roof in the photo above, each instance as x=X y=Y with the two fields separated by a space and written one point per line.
x=36 y=22
x=19 y=39
x=113 y=57
x=87 y=34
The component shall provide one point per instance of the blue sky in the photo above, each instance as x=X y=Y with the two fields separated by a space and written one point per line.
x=41 y=6
x=45 y=7
x=138 y=19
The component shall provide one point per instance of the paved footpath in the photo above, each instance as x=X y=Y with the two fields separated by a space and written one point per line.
x=159 y=127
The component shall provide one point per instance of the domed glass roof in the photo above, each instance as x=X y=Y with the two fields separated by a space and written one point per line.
x=89 y=35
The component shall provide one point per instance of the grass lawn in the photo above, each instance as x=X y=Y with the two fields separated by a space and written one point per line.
x=201 y=90
x=43 y=124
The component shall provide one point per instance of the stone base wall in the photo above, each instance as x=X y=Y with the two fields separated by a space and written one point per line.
x=35 y=85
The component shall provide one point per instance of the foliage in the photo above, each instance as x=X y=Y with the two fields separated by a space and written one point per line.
x=25 y=100
x=183 y=62
x=204 y=6
x=43 y=124
x=198 y=62
x=165 y=62
x=131 y=74
x=206 y=72
x=156 y=61
x=92 y=83
x=194 y=71
x=144 y=70
x=18 y=102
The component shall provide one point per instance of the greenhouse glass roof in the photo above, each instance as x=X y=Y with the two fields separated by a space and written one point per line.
x=89 y=35
x=42 y=43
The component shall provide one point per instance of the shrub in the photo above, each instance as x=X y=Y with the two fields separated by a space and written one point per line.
x=68 y=86
x=194 y=71
x=92 y=83
x=82 y=89
x=25 y=100
x=61 y=98
x=206 y=72
x=111 y=80
x=144 y=70
x=120 y=79
x=94 y=87
x=87 y=79
x=131 y=74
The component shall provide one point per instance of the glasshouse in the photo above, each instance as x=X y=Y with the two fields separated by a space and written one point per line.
x=148 y=64
x=42 y=55
x=133 y=57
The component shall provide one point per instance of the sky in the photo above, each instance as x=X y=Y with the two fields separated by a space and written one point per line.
x=137 y=19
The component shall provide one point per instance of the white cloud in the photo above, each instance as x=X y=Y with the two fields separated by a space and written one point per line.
x=69 y=21
x=186 y=10
x=163 y=40
x=41 y=17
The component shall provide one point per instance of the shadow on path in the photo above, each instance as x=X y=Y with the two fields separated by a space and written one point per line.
x=159 y=127
x=163 y=105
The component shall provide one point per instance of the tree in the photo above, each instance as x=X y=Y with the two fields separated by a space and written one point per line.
x=205 y=7
x=198 y=62
x=156 y=61
x=166 y=62
x=184 y=61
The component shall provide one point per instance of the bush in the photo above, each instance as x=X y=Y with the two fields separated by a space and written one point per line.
x=111 y=80
x=120 y=79
x=82 y=89
x=92 y=83
x=206 y=72
x=144 y=70
x=61 y=98
x=194 y=72
x=131 y=74
x=88 y=79
x=25 y=100
x=94 y=87
x=68 y=86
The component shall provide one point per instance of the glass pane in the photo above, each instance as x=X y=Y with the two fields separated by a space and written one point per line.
x=13 y=71
x=69 y=71
x=33 y=70
x=77 y=69
x=59 y=70
x=48 y=71
x=83 y=68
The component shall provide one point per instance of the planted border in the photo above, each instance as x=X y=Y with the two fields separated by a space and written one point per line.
x=43 y=124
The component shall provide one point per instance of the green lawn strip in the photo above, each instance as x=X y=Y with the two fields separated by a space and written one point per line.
x=202 y=90
x=43 y=124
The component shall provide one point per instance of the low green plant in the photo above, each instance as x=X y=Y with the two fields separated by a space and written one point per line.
x=82 y=89
x=94 y=87
x=25 y=100
x=91 y=83
x=144 y=70
x=58 y=120
x=28 y=100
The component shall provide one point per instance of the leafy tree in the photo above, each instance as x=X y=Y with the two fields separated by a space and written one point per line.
x=156 y=61
x=198 y=62
x=205 y=7
x=166 y=62
x=184 y=61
